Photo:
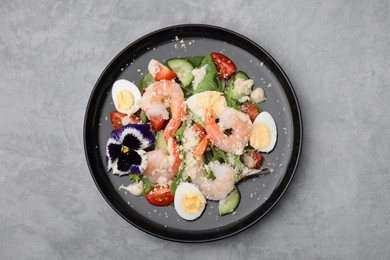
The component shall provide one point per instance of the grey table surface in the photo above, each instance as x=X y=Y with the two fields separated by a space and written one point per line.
x=336 y=54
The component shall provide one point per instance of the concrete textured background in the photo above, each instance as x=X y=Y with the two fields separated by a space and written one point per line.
x=337 y=55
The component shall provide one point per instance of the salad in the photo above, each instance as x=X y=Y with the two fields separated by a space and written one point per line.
x=189 y=132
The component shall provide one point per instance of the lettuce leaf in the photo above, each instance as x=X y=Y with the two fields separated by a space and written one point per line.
x=195 y=60
x=209 y=81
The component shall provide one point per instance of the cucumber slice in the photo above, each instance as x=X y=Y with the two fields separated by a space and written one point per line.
x=242 y=75
x=183 y=69
x=230 y=203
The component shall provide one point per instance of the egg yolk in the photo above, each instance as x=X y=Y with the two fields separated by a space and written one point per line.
x=125 y=100
x=260 y=136
x=192 y=203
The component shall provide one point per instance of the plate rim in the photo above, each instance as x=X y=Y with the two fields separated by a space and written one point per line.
x=296 y=152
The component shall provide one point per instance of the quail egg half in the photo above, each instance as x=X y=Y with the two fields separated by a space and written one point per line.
x=264 y=133
x=189 y=201
x=125 y=96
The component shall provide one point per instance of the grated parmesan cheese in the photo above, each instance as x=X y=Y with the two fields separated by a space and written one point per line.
x=199 y=74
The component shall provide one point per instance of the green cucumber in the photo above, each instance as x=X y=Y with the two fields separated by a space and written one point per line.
x=241 y=75
x=183 y=70
x=230 y=203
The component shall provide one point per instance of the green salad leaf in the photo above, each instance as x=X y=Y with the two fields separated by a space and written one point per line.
x=195 y=60
x=195 y=118
x=219 y=155
x=180 y=131
x=145 y=81
x=209 y=174
x=148 y=185
x=209 y=81
x=237 y=163
x=143 y=117
x=177 y=179
x=135 y=177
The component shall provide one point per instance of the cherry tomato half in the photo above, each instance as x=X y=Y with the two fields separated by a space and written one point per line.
x=160 y=195
x=159 y=71
x=225 y=66
x=116 y=119
x=252 y=159
x=119 y=119
x=157 y=123
x=250 y=110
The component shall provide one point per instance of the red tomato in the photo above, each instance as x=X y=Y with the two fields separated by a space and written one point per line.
x=157 y=123
x=250 y=110
x=199 y=130
x=225 y=66
x=159 y=71
x=160 y=195
x=116 y=119
x=252 y=160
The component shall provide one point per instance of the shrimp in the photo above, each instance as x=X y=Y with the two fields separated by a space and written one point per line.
x=220 y=187
x=229 y=118
x=159 y=168
x=158 y=97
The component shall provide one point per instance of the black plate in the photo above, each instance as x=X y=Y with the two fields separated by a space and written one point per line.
x=258 y=195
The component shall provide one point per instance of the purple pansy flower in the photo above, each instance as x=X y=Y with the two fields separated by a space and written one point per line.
x=125 y=149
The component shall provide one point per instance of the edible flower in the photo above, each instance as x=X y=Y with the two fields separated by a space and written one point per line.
x=125 y=149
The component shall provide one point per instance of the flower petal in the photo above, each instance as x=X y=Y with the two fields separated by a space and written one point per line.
x=113 y=150
x=115 y=169
x=135 y=137
x=143 y=132
x=147 y=135
x=135 y=169
x=128 y=159
x=116 y=135
x=132 y=141
x=133 y=161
